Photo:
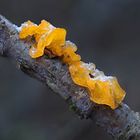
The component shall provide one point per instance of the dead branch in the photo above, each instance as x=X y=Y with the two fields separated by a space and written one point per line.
x=122 y=123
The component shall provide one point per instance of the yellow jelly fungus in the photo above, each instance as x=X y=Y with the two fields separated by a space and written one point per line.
x=46 y=36
x=69 y=55
x=102 y=89
x=79 y=74
x=108 y=92
x=28 y=29
x=53 y=40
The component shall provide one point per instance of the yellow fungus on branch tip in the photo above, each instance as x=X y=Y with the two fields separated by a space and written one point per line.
x=102 y=89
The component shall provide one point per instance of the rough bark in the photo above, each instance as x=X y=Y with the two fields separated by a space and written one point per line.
x=122 y=123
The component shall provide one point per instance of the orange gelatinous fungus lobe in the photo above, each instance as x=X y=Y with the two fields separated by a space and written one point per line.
x=28 y=29
x=52 y=40
x=58 y=37
x=102 y=89
x=69 y=55
x=118 y=92
x=101 y=94
x=79 y=74
x=106 y=92
x=43 y=28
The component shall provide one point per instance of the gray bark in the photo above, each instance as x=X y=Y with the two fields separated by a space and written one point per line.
x=122 y=123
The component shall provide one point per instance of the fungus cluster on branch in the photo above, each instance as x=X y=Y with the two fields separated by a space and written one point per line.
x=49 y=39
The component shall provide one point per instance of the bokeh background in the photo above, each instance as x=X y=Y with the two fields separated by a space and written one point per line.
x=107 y=33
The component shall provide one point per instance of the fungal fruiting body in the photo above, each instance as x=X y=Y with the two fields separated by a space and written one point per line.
x=102 y=89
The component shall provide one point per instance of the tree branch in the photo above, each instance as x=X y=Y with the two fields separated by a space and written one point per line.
x=122 y=123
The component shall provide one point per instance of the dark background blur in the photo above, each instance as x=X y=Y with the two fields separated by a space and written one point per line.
x=107 y=33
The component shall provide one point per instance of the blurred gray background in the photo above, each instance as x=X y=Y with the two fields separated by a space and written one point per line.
x=107 y=32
